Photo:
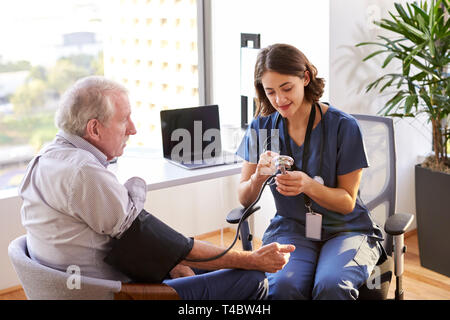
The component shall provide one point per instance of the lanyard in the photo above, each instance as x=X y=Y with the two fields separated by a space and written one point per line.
x=312 y=117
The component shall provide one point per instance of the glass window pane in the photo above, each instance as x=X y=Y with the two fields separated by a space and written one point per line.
x=150 y=46
x=46 y=46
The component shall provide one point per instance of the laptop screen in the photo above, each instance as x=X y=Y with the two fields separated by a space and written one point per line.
x=191 y=133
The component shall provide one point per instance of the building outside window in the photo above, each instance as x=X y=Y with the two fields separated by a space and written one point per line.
x=150 y=46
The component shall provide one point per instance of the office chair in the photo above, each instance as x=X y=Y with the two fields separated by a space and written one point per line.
x=43 y=283
x=378 y=192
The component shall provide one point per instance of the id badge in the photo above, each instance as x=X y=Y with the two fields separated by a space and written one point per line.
x=313 y=225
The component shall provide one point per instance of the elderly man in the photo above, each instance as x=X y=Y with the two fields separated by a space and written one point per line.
x=74 y=209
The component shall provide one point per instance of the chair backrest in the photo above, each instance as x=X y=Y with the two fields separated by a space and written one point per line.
x=43 y=283
x=378 y=183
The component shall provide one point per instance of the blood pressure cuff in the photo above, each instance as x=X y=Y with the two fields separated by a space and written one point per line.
x=148 y=250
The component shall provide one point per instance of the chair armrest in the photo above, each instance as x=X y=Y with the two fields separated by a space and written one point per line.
x=396 y=226
x=146 y=291
x=235 y=215
x=398 y=223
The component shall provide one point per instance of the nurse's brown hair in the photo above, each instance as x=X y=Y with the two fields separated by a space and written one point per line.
x=288 y=60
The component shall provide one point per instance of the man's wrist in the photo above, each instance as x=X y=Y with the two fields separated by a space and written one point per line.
x=251 y=262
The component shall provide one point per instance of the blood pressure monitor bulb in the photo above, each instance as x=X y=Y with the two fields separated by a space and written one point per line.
x=283 y=163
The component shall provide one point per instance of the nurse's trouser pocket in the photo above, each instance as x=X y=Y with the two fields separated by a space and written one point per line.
x=367 y=253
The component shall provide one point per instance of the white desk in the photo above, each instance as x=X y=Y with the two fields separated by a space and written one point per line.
x=160 y=174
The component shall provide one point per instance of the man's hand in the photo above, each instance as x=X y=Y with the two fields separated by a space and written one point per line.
x=180 y=271
x=272 y=257
x=269 y=258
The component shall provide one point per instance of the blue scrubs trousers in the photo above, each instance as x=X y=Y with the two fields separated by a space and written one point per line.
x=225 y=284
x=330 y=270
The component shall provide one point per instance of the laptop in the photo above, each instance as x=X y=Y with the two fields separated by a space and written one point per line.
x=191 y=138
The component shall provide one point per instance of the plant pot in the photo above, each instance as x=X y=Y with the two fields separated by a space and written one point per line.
x=433 y=219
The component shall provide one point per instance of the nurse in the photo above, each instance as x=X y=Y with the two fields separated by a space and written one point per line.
x=317 y=204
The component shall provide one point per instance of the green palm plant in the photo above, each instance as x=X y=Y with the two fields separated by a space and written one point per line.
x=421 y=43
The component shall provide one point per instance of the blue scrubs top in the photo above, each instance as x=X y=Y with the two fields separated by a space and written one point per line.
x=343 y=153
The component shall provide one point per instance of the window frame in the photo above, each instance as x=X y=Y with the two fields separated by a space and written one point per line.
x=204 y=44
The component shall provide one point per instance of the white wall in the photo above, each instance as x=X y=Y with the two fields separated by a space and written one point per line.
x=350 y=23
x=10 y=228
x=196 y=208
x=302 y=23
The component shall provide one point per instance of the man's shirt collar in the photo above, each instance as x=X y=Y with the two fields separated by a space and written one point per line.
x=81 y=143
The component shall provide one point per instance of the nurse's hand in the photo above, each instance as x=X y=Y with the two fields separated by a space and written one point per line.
x=292 y=183
x=266 y=165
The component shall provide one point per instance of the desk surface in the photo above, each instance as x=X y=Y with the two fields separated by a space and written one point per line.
x=160 y=173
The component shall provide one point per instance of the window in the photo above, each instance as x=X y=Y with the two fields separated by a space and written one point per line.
x=46 y=46
x=150 y=46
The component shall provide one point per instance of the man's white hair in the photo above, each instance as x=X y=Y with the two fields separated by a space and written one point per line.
x=89 y=98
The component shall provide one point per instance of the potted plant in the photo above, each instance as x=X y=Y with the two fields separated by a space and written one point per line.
x=421 y=43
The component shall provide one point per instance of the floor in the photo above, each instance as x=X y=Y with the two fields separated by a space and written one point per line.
x=418 y=283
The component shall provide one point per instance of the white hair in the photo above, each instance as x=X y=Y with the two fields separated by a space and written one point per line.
x=89 y=98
